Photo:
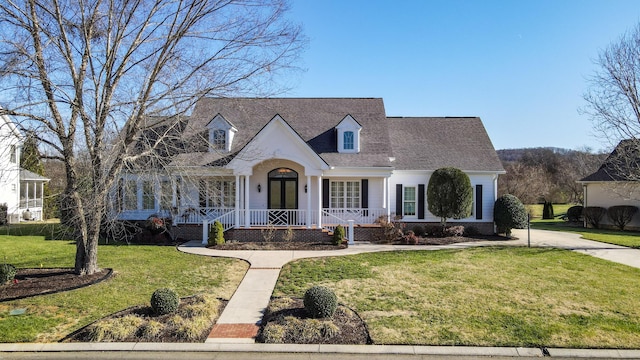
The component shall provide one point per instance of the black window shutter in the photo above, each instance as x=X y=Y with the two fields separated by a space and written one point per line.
x=365 y=193
x=325 y=193
x=398 y=199
x=421 y=201
x=478 y=202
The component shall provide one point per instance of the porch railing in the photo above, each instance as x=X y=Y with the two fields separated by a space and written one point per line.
x=279 y=217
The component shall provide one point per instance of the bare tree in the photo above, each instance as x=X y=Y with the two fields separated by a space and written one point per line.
x=90 y=76
x=613 y=102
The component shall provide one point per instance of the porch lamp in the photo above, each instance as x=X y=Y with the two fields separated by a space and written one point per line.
x=259 y=188
x=305 y=188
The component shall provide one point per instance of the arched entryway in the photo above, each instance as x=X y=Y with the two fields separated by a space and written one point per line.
x=282 y=195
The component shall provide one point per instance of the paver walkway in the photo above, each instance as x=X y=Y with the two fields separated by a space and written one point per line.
x=240 y=320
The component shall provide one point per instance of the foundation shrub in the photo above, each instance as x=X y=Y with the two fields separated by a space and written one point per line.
x=434 y=230
x=457 y=230
x=471 y=230
x=3 y=214
x=621 y=215
x=338 y=235
x=574 y=213
x=418 y=230
x=593 y=215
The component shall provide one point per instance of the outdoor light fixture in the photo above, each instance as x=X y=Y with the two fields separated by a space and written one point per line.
x=305 y=188
x=259 y=188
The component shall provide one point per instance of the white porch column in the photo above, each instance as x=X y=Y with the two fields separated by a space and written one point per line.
x=308 y=187
x=386 y=197
x=236 y=220
x=320 y=202
x=247 y=215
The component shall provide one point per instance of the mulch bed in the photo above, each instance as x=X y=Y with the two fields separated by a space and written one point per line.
x=277 y=245
x=353 y=329
x=294 y=245
x=146 y=312
x=33 y=282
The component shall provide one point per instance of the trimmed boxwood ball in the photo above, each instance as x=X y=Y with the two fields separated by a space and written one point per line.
x=320 y=302
x=164 y=301
x=7 y=273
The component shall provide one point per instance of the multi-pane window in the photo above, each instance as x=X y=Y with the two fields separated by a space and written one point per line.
x=217 y=193
x=166 y=194
x=348 y=140
x=130 y=195
x=409 y=201
x=13 y=155
x=345 y=194
x=219 y=141
x=148 y=197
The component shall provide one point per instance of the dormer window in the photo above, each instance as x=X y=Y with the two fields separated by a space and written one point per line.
x=348 y=140
x=219 y=141
x=221 y=134
x=348 y=135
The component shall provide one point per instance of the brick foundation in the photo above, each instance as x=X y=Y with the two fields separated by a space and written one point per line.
x=361 y=232
x=258 y=235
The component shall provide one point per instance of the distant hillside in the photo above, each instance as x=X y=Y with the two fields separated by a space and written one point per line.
x=509 y=155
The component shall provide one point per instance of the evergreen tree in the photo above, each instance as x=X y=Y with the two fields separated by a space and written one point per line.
x=30 y=160
x=450 y=194
x=30 y=157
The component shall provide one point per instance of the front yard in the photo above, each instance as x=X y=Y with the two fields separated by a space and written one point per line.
x=138 y=271
x=481 y=296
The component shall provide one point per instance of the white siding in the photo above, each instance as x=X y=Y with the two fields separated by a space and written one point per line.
x=9 y=171
x=609 y=194
x=414 y=178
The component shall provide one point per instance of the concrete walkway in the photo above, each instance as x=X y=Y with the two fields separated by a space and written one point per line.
x=240 y=320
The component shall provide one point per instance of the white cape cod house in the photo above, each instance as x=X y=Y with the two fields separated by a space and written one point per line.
x=307 y=163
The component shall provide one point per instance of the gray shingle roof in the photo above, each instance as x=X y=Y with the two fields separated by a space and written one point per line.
x=422 y=143
x=314 y=119
x=435 y=142
x=623 y=164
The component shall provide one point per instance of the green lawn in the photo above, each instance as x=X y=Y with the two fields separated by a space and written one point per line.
x=617 y=237
x=535 y=210
x=139 y=270
x=482 y=296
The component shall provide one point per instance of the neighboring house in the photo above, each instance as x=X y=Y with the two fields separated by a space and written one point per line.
x=617 y=181
x=20 y=189
x=308 y=163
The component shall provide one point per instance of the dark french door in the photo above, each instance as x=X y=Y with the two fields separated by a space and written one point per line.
x=283 y=195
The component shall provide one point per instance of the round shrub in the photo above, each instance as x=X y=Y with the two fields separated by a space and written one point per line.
x=338 y=235
x=509 y=213
x=418 y=230
x=7 y=273
x=164 y=301
x=574 y=213
x=320 y=302
x=593 y=215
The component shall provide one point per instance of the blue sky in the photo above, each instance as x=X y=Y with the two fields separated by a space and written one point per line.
x=522 y=66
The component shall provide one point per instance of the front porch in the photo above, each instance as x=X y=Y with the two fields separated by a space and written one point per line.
x=230 y=218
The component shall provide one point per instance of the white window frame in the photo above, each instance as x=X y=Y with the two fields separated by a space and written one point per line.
x=345 y=194
x=219 y=139
x=349 y=140
x=218 y=193
x=413 y=201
